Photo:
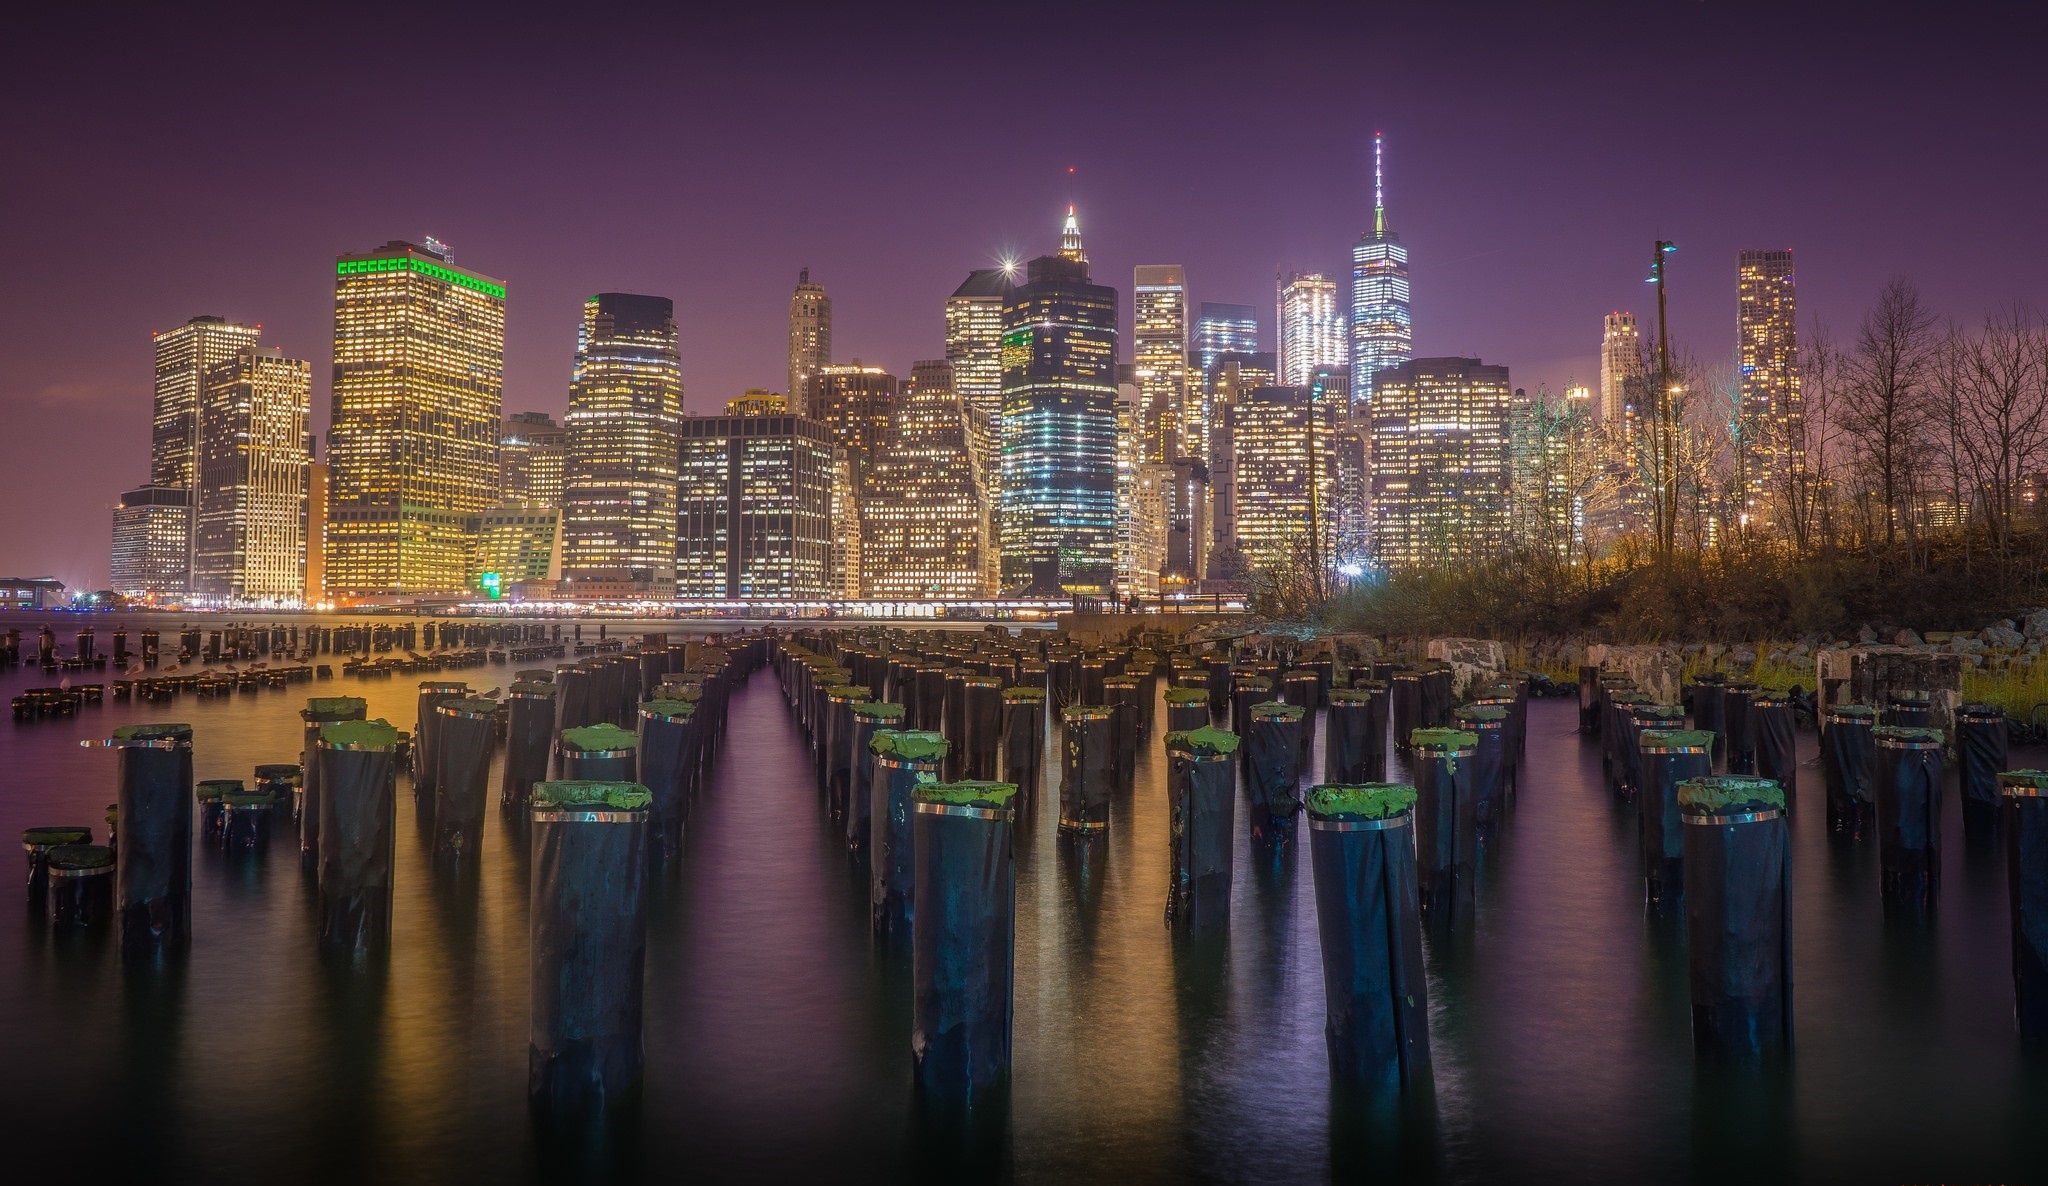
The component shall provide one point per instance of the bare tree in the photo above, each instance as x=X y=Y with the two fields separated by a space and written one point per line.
x=2002 y=417
x=1884 y=404
x=1804 y=484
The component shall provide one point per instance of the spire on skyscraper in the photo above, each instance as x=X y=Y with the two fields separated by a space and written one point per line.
x=1379 y=189
x=1070 y=238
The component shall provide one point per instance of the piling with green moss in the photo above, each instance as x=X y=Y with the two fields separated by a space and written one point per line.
x=2024 y=802
x=1362 y=858
x=1446 y=825
x=963 y=944
x=1670 y=759
x=320 y=711
x=1738 y=878
x=1087 y=774
x=1201 y=796
x=1908 y=782
x=902 y=759
x=153 y=869
x=358 y=764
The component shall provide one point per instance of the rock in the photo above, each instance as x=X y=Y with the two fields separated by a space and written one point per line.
x=1743 y=658
x=1654 y=669
x=1962 y=644
x=1473 y=661
x=1866 y=635
x=2003 y=636
x=2037 y=623
x=1906 y=638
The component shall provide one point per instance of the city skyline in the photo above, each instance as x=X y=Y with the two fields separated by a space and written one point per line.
x=1512 y=273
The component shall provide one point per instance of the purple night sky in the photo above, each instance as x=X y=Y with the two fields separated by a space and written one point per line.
x=218 y=164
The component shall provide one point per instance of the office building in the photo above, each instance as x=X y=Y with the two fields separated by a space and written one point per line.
x=923 y=525
x=533 y=452
x=974 y=345
x=625 y=405
x=1621 y=370
x=855 y=402
x=1140 y=495
x=316 y=527
x=754 y=508
x=1190 y=526
x=250 y=525
x=1058 y=426
x=1312 y=332
x=757 y=402
x=1232 y=378
x=1382 y=329
x=1284 y=480
x=1159 y=338
x=1545 y=510
x=419 y=373
x=1439 y=461
x=810 y=334
x=1771 y=420
x=151 y=543
x=519 y=546
x=184 y=356
x=1221 y=330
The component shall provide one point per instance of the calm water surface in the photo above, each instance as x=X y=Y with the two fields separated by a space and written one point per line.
x=778 y=1034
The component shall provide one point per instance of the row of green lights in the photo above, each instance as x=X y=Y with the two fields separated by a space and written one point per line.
x=351 y=267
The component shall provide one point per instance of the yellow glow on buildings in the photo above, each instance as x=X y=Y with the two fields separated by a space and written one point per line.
x=1286 y=480
x=923 y=524
x=1160 y=357
x=757 y=402
x=754 y=507
x=532 y=452
x=625 y=408
x=419 y=359
x=1440 y=460
x=1772 y=416
x=250 y=526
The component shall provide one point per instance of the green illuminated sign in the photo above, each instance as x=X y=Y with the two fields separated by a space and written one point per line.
x=357 y=267
x=490 y=583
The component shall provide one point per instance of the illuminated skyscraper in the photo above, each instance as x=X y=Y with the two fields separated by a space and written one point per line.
x=855 y=402
x=1772 y=418
x=532 y=452
x=152 y=529
x=1620 y=369
x=1285 y=479
x=1439 y=461
x=1058 y=496
x=1232 y=378
x=183 y=357
x=810 y=334
x=1221 y=330
x=1382 y=330
x=1160 y=352
x=922 y=521
x=1311 y=329
x=758 y=402
x=754 y=507
x=974 y=345
x=250 y=527
x=419 y=375
x=625 y=404
x=1140 y=495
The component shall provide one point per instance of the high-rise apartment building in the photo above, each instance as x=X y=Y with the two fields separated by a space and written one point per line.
x=1140 y=495
x=1382 y=328
x=419 y=375
x=754 y=507
x=1285 y=481
x=183 y=357
x=1190 y=525
x=1231 y=379
x=249 y=531
x=151 y=539
x=316 y=529
x=1621 y=369
x=1439 y=460
x=1772 y=416
x=1312 y=332
x=1159 y=337
x=923 y=525
x=974 y=345
x=810 y=335
x=625 y=407
x=855 y=402
x=532 y=453
x=1058 y=425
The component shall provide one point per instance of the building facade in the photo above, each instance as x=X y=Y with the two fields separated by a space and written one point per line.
x=856 y=403
x=533 y=452
x=1621 y=366
x=1771 y=418
x=923 y=524
x=625 y=409
x=1231 y=379
x=754 y=507
x=151 y=543
x=517 y=544
x=1285 y=481
x=1440 y=461
x=249 y=530
x=1159 y=342
x=1312 y=329
x=418 y=403
x=1058 y=426
x=184 y=357
x=810 y=334
x=974 y=347
x=1382 y=326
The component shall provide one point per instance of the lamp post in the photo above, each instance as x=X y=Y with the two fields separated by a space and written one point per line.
x=1667 y=468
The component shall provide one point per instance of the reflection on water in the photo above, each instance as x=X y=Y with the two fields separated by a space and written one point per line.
x=778 y=1034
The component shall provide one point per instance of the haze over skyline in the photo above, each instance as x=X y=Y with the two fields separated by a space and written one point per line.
x=178 y=169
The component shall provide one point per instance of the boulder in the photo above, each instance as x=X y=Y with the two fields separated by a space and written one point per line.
x=1866 y=635
x=2003 y=636
x=2036 y=623
x=1906 y=638
x=1472 y=660
x=1654 y=669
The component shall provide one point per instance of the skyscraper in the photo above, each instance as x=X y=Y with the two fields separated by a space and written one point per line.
x=249 y=533
x=1772 y=416
x=419 y=374
x=1620 y=369
x=754 y=507
x=1219 y=330
x=625 y=405
x=1439 y=460
x=1311 y=330
x=1232 y=378
x=922 y=521
x=532 y=451
x=1058 y=425
x=152 y=529
x=810 y=334
x=1160 y=353
x=855 y=402
x=1285 y=481
x=974 y=345
x=183 y=357
x=1382 y=330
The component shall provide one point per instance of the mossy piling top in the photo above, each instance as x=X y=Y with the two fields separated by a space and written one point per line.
x=1370 y=800
x=585 y=792
x=1730 y=792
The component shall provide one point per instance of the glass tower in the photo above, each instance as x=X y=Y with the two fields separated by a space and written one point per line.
x=1160 y=351
x=419 y=378
x=1058 y=426
x=1440 y=460
x=1382 y=332
x=249 y=530
x=184 y=357
x=1772 y=418
x=625 y=403
x=921 y=516
x=1311 y=328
